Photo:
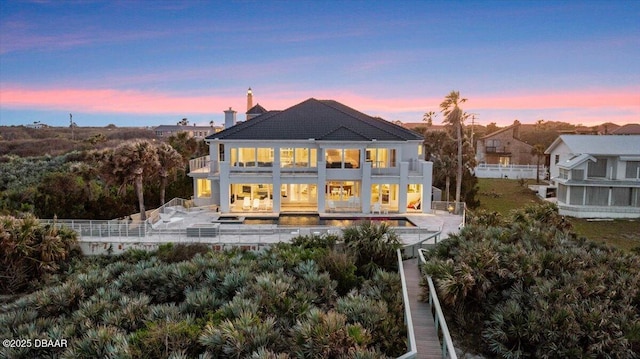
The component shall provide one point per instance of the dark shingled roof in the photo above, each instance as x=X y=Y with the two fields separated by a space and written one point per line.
x=326 y=120
x=256 y=110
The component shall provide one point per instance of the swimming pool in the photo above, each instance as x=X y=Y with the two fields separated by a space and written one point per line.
x=303 y=220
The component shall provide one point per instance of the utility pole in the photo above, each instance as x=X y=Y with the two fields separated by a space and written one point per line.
x=473 y=122
x=73 y=137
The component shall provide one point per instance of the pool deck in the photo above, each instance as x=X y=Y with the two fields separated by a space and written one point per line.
x=179 y=226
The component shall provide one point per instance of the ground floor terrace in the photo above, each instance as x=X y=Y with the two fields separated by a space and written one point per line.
x=177 y=223
x=335 y=196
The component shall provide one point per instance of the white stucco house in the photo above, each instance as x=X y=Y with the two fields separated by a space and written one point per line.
x=316 y=156
x=597 y=176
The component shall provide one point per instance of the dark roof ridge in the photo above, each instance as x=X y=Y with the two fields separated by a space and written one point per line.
x=345 y=127
x=324 y=102
x=246 y=124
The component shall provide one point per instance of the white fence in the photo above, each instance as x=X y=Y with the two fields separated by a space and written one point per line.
x=510 y=171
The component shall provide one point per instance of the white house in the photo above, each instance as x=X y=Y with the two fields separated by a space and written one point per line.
x=318 y=156
x=198 y=132
x=597 y=176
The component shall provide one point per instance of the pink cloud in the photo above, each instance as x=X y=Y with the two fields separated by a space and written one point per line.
x=110 y=101
x=577 y=106
x=627 y=98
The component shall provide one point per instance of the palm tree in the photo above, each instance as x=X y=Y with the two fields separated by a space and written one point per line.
x=455 y=117
x=170 y=160
x=185 y=145
x=88 y=173
x=446 y=167
x=128 y=163
x=428 y=118
x=538 y=151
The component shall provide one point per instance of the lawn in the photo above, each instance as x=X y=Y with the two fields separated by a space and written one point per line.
x=504 y=195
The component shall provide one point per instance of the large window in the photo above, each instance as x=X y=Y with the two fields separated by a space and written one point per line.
x=621 y=196
x=562 y=193
x=384 y=193
x=342 y=190
x=381 y=157
x=563 y=173
x=633 y=169
x=493 y=146
x=203 y=188
x=251 y=157
x=577 y=174
x=597 y=169
x=298 y=157
x=577 y=195
x=342 y=158
x=597 y=196
x=265 y=157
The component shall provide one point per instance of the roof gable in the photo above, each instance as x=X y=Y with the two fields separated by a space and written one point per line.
x=575 y=161
x=317 y=119
x=256 y=110
x=341 y=134
x=604 y=145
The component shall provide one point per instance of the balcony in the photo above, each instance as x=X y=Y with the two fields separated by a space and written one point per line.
x=199 y=165
x=500 y=150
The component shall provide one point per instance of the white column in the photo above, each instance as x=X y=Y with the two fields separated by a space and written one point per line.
x=427 y=183
x=404 y=181
x=365 y=191
x=225 y=197
x=321 y=183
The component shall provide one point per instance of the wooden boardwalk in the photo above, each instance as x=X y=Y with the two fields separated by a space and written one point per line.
x=427 y=343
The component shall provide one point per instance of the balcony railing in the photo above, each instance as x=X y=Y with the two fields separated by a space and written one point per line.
x=200 y=164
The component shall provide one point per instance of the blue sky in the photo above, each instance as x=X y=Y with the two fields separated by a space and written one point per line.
x=145 y=63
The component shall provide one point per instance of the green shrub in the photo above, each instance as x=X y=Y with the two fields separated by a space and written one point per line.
x=171 y=253
x=529 y=288
x=161 y=338
x=30 y=251
x=219 y=304
x=373 y=245
x=341 y=268
x=327 y=335
x=241 y=336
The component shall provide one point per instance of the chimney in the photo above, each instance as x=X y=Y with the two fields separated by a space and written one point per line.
x=229 y=118
x=249 y=100
x=516 y=129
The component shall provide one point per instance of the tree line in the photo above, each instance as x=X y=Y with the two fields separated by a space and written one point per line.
x=99 y=184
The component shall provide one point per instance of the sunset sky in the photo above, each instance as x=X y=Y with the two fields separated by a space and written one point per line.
x=146 y=63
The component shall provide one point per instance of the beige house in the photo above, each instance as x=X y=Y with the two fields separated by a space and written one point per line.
x=504 y=147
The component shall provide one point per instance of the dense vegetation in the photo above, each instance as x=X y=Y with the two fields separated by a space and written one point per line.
x=54 y=141
x=524 y=286
x=30 y=252
x=301 y=300
x=97 y=183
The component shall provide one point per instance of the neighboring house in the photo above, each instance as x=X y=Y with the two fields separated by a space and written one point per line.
x=597 y=176
x=199 y=132
x=628 y=129
x=316 y=156
x=504 y=147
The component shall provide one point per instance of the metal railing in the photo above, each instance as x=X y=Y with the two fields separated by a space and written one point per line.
x=411 y=337
x=199 y=163
x=448 y=350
